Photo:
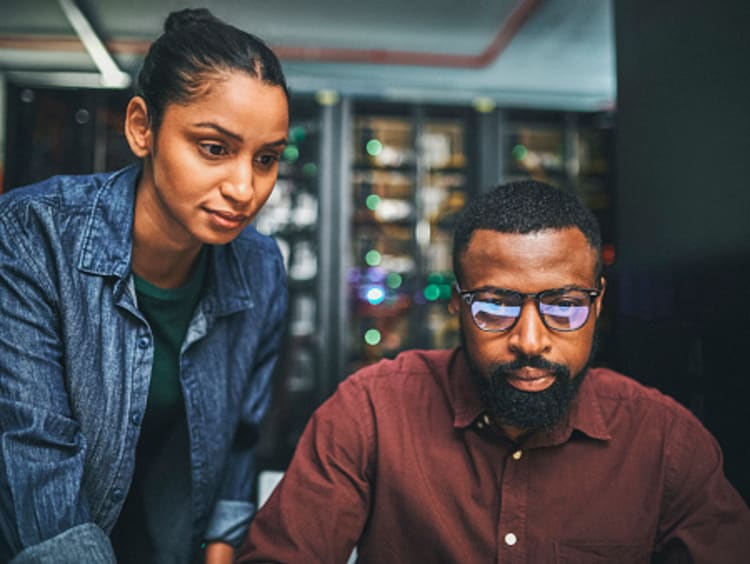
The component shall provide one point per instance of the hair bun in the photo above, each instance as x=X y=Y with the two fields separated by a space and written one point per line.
x=187 y=17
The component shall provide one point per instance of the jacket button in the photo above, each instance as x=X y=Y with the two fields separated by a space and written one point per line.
x=135 y=418
x=117 y=495
x=143 y=342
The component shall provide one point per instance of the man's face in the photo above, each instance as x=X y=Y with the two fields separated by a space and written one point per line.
x=527 y=373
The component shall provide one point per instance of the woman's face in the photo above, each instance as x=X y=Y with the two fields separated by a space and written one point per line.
x=213 y=161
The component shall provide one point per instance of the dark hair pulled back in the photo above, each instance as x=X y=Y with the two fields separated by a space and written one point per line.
x=195 y=45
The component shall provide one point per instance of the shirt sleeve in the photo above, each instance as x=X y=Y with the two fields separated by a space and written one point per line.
x=704 y=519
x=42 y=506
x=318 y=511
x=233 y=511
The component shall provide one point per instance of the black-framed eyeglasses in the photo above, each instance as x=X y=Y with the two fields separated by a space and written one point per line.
x=561 y=309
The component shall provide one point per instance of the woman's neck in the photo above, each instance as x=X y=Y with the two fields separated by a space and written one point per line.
x=163 y=253
x=162 y=266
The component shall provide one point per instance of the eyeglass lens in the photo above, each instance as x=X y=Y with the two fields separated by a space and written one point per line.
x=565 y=310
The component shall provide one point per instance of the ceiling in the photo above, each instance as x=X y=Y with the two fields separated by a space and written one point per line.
x=555 y=54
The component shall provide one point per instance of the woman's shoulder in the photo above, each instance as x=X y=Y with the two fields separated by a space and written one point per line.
x=59 y=193
x=252 y=243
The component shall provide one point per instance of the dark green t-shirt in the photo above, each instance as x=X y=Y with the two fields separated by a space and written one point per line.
x=168 y=312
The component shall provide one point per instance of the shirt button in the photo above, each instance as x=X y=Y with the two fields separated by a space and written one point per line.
x=510 y=539
x=117 y=495
x=143 y=342
x=517 y=455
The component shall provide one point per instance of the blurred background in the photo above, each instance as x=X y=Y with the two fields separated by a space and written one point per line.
x=401 y=111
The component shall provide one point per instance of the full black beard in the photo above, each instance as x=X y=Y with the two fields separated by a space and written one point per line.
x=529 y=411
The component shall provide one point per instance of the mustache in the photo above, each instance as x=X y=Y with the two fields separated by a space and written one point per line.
x=527 y=361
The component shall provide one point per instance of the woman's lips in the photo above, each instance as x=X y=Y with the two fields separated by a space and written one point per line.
x=531 y=379
x=226 y=220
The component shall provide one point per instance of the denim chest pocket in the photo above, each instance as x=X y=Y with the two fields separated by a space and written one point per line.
x=594 y=552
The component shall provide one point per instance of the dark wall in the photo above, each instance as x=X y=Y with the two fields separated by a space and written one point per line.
x=683 y=185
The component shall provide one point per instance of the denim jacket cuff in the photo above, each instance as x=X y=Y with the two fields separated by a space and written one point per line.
x=83 y=543
x=229 y=522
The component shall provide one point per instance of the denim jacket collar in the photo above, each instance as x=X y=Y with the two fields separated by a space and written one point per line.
x=108 y=244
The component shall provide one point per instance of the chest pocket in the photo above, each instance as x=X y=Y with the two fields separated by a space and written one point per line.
x=592 y=552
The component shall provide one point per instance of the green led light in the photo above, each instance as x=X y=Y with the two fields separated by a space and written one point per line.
x=374 y=147
x=432 y=292
x=445 y=291
x=372 y=202
x=373 y=258
x=291 y=153
x=436 y=278
x=372 y=337
x=296 y=133
x=394 y=280
x=520 y=152
x=309 y=169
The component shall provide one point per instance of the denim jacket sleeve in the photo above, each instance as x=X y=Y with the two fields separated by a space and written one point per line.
x=233 y=511
x=43 y=508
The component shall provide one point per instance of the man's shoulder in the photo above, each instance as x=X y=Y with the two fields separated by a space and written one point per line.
x=409 y=362
x=413 y=369
x=617 y=393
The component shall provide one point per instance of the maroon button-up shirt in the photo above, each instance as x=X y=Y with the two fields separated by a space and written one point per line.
x=402 y=462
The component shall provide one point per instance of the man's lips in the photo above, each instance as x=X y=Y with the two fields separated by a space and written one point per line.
x=530 y=379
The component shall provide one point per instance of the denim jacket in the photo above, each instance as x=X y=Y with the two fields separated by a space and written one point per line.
x=75 y=364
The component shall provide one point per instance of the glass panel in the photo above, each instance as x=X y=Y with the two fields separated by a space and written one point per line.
x=291 y=217
x=408 y=184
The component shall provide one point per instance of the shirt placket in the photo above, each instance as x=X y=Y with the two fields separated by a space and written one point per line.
x=511 y=533
x=143 y=355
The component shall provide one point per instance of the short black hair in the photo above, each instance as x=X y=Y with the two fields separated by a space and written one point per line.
x=195 y=45
x=524 y=206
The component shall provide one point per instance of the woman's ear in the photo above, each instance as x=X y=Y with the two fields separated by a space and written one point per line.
x=138 y=130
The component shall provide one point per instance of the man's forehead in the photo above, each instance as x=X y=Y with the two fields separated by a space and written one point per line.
x=550 y=250
x=569 y=236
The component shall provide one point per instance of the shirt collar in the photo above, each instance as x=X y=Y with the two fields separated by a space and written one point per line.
x=467 y=404
x=585 y=413
x=108 y=243
x=108 y=235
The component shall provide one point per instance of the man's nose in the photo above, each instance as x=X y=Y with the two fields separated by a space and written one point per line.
x=530 y=335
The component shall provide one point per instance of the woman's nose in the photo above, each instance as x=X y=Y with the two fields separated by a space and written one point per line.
x=238 y=186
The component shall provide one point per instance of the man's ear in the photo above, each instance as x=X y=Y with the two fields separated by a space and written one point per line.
x=138 y=130
x=600 y=297
x=455 y=303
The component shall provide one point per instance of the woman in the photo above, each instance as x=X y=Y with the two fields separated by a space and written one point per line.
x=142 y=320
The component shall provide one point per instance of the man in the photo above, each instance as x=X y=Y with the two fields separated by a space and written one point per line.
x=509 y=448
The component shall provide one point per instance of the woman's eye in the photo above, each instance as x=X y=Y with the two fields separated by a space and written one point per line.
x=214 y=149
x=267 y=160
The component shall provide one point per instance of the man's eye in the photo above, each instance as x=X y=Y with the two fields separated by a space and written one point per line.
x=568 y=301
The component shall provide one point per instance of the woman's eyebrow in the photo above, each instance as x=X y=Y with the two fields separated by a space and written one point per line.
x=220 y=129
x=236 y=136
x=279 y=143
